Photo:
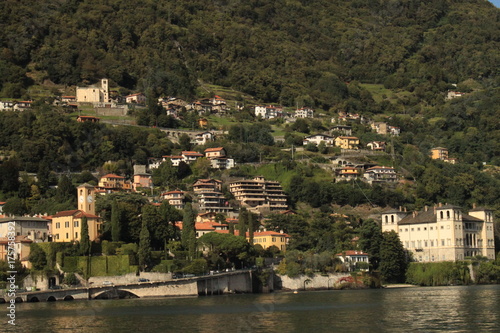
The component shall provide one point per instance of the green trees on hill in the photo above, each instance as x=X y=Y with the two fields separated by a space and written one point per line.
x=291 y=52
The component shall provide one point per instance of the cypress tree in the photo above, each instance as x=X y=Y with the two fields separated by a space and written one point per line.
x=393 y=261
x=115 y=222
x=250 y=221
x=188 y=235
x=242 y=222
x=144 y=252
x=85 y=240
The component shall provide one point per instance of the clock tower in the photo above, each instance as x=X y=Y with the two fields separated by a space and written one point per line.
x=86 y=198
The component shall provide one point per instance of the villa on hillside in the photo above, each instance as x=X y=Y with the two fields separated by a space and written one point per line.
x=304 y=113
x=268 y=112
x=175 y=198
x=440 y=153
x=347 y=142
x=113 y=183
x=138 y=98
x=380 y=174
x=343 y=129
x=318 y=138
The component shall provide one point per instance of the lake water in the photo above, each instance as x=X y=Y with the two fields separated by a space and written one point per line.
x=425 y=309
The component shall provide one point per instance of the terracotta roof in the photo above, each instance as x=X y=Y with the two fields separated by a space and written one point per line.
x=269 y=233
x=75 y=213
x=191 y=153
x=173 y=192
x=112 y=175
x=214 y=149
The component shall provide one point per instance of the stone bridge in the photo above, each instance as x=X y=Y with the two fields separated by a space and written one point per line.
x=229 y=282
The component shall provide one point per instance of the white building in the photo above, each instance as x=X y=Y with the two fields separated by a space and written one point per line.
x=304 y=113
x=268 y=112
x=222 y=163
x=203 y=138
x=378 y=174
x=443 y=232
x=138 y=98
x=7 y=105
x=318 y=138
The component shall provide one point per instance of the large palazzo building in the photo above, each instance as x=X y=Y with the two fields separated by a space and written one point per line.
x=443 y=232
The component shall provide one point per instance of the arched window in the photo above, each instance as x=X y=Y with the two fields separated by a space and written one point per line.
x=447 y=214
x=392 y=219
x=441 y=215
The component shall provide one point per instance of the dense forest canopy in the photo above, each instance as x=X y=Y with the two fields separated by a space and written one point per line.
x=279 y=50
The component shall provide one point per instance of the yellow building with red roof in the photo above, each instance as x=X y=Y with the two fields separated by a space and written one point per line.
x=66 y=225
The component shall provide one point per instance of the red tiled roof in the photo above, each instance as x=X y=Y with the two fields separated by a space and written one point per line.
x=191 y=153
x=269 y=233
x=75 y=213
x=112 y=175
x=173 y=192
x=214 y=149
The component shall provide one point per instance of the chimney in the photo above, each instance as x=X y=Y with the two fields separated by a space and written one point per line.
x=414 y=214
x=426 y=208
x=400 y=208
x=474 y=205
x=406 y=210
x=440 y=204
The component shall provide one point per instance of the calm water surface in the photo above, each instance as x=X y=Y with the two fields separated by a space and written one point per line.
x=437 y=309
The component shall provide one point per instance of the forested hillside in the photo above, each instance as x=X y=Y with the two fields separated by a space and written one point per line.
x=277 y=50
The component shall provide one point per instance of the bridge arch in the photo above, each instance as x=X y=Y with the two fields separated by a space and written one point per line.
x=51 y=299
x=19 y=300
x=114 y=294
x=2 y=300
x=33 y=299
x=68 y=298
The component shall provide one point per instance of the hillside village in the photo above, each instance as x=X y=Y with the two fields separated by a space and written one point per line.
x=252 y=207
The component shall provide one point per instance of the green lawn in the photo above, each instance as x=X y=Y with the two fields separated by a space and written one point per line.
x=379 y=93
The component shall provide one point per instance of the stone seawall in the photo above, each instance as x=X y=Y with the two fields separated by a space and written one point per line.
x=305 y=282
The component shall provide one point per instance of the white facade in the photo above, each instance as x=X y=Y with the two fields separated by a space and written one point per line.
x=443 y=233
x=380 y=174
x=222 y=163
x=268 y=112
x=318 y=138
x=304 y=113
x=203 y=138
x=7 y=105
